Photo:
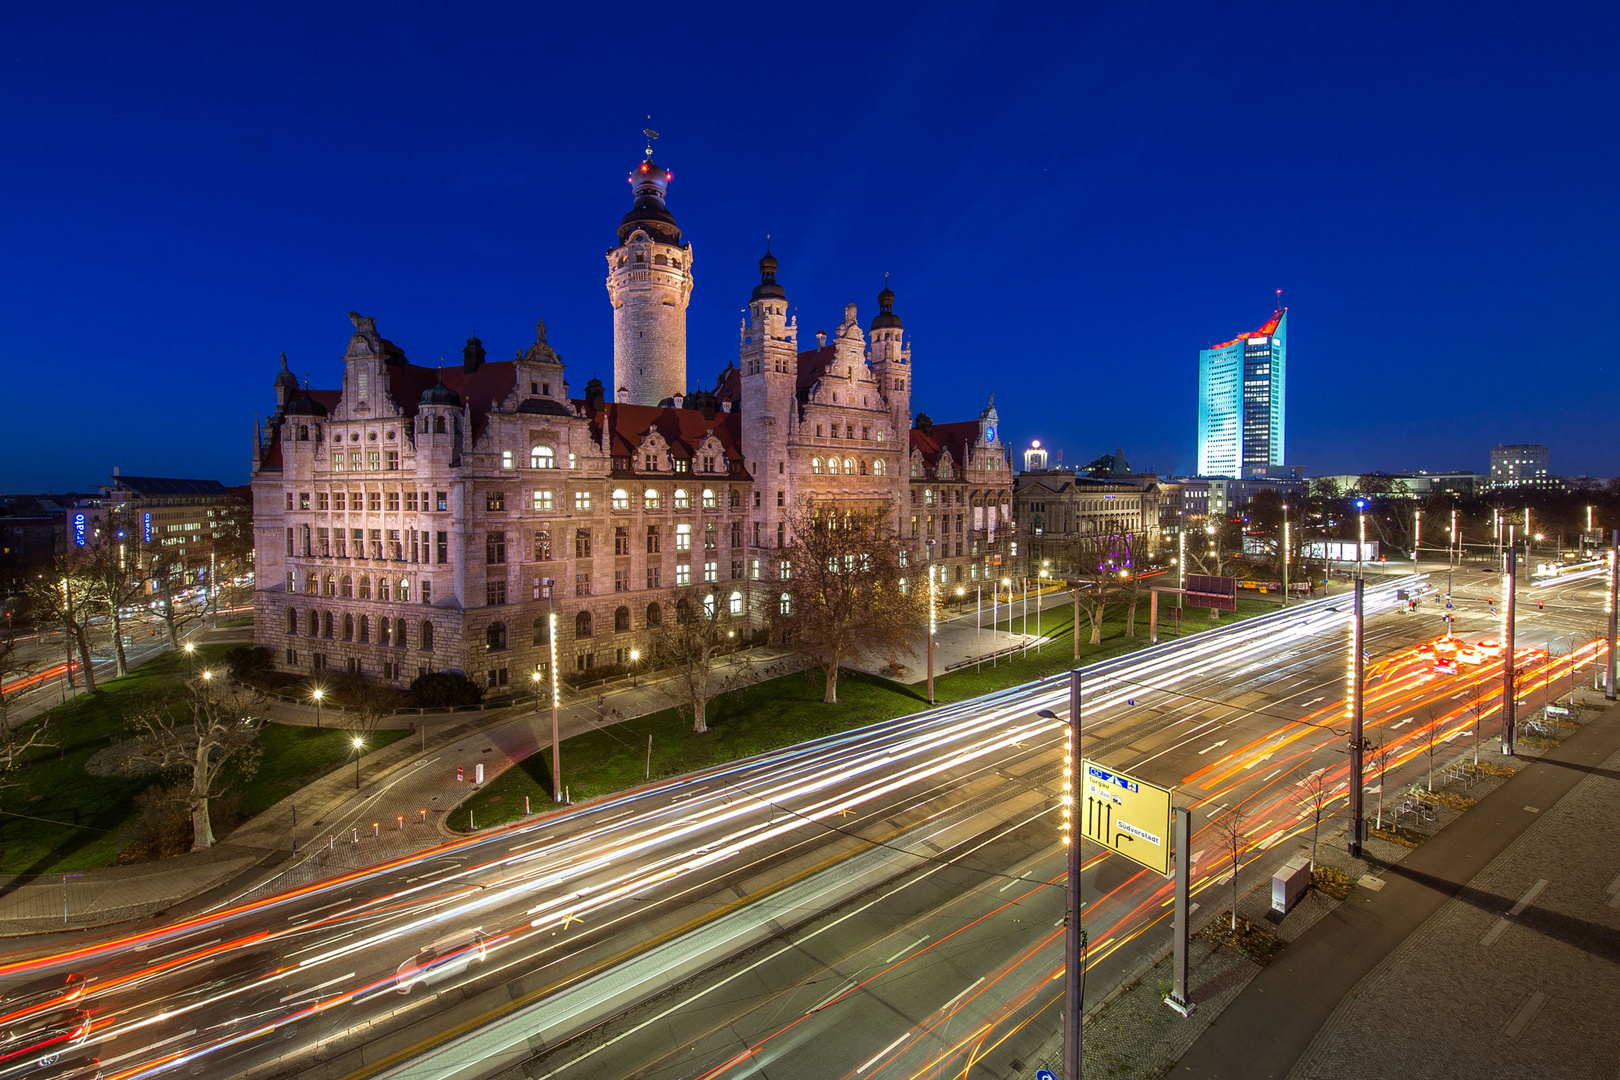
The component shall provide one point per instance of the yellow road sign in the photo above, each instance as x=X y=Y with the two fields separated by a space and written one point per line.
x=1126 y=815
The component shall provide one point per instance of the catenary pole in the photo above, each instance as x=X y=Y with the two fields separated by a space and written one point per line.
x=1357 y=675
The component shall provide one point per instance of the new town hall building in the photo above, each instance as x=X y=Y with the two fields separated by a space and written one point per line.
x=417 y=518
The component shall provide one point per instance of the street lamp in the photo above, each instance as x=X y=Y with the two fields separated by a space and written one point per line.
x=317 y=694
x=635 y=661
x=1361 y=513
x=556 y=691
x=1286 y=552
x=359 y=743
x=929 y=645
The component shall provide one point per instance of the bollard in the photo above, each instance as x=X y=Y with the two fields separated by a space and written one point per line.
x=461 y=776
x=399 y=822
x=375 y=830
x=421 y=815
x=470 y=825
x=330 y=841
x=567 y=801
x=355 y=838
x=525 y=806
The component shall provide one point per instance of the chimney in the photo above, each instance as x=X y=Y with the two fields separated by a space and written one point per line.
x=115 y=472
x=821 y=339
x=678 y=399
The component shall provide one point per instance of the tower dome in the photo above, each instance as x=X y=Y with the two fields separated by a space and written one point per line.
x=650 y=185
x=440 y=394
x=767 y=286
x=885 y=316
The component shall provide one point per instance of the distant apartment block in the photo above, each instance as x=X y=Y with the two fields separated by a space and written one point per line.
x=1520 y=465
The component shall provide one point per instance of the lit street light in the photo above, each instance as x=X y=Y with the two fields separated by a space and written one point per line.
x=316 y=695
x=359 y=743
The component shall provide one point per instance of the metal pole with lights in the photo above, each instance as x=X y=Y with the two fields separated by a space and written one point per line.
x=1361 y=546
x=316 y=695
x=1614 y=614
x=1417 y=537
x=556 y=692
x=1510 y=588
x=1287 y=551
x=359 y=744
x=1358 y=671
x=1074 y=937
x=928 y=646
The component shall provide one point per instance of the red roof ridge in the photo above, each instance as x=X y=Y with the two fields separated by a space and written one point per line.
x=1269 y=328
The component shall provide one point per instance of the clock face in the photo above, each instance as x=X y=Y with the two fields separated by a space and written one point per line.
x=990 y=433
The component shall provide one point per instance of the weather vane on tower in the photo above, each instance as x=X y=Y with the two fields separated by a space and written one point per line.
x=651 y=135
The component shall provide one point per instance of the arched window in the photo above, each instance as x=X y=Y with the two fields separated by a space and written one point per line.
x=495 y=636
x=399 y=633
x=709 y=501
x=877 y=467
x=348 y=626
x=314 y=624
x=784 y=604
x=427 y=636
x=682 y=500
x=385 y=632
x=849 y=467
x=326 y=624
x=655 y=615
x=650 y=499
x=542 y=629
x=582 y=624
x=311 y=585
x=365 y=587
x=438 y=425
x=292 y=620
x=346 y=586
x=928 y=496
x=815 y=465
x=365 y=628
x=709 y=605
x=736 y=603
x=331 y=585
x=382 y=588
x=863 y=466
x=542 y=457
x=621 y=499
x=404 y=593
x=916 y=469
x=736 y=498
x=621 y=620
x=683 y=610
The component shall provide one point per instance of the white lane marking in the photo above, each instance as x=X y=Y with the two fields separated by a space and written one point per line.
x=877 y=1057
x=315 y=989
x=907 y=949
x=1213 y=746
x=322 y=944
x=962 y=994
x=311 y=911
x=1527 y=1012
x=1614 y=886
x=1271 y=776
x=830 y=998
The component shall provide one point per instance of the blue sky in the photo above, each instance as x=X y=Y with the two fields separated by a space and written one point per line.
x=1070 y=203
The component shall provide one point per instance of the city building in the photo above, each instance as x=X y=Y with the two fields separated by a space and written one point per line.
x=415 y=518
x=1241 y=399
x=1056 y=507
x=162 y=512
x=1521 y=465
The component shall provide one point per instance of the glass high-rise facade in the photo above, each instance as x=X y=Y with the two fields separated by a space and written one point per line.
x=1241 y=400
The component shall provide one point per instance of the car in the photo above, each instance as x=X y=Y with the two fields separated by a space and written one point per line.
x=1489 y=648
x=1445 y=665
x=1470 y=656
x=443 y=959
x=41 y=1041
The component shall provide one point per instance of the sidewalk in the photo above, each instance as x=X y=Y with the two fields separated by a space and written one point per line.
x=1445 y=965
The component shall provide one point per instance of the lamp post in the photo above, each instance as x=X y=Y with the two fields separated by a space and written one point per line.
x=1040 y=599
x=635 y=665
x=1361 y=545
x=316 y=695
x=1417 y=537
x=359 y=744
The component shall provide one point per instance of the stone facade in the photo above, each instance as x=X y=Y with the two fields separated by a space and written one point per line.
x=420 y=518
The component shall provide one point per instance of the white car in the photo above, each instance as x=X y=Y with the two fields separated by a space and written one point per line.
x=443 y=959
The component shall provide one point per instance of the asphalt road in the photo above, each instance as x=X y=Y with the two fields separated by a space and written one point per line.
x=305 y=982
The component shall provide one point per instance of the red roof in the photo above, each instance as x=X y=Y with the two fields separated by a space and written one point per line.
x=683 y=429
x=955 y=437
x=1267 y=330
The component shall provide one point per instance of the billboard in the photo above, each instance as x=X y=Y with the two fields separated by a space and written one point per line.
x=1127 y=816
x=1212 y=592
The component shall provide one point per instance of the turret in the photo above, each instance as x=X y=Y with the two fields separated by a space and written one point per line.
x=891 y=359
x=769 y=359
x=649 y=284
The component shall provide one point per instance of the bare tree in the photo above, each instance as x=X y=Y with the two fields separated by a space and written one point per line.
x=1314 y=796
x=845 y=591
x=1096 y=562
x=1379 y=758
x=168 y=572
x=15 y=743
x=212 y=723
x=13 y=666
x=1232 y=834
x=1432 y=715
x=1135 y=547
x=66 y=595
x=688 y=641
x=114 y=568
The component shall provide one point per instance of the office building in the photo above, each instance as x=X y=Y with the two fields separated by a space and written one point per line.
x=1241 y=391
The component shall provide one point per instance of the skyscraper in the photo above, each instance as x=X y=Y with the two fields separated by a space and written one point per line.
x=1241 y=400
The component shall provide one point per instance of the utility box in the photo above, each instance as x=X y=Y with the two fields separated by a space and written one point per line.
x=1289 y=883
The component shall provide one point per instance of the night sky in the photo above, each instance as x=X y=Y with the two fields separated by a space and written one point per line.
x=1069 y=209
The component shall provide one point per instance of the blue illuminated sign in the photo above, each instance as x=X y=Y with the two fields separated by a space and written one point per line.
x=146 y=522
x=78 y=529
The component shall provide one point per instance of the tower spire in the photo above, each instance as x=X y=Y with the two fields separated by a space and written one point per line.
x=651 y=135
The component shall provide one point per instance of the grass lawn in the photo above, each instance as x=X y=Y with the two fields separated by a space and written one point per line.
x=60 y=818
x=786 y=711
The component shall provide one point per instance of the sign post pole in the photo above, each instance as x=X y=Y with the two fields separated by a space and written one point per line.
x=1178 y=999
x=1074 y=938
x=1358 y=660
